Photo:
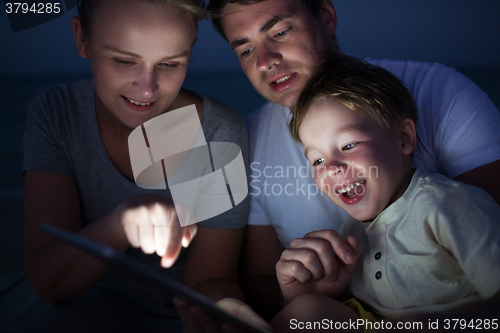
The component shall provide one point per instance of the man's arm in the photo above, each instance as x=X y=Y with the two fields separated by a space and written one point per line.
x=261 y=251
x=486 y=177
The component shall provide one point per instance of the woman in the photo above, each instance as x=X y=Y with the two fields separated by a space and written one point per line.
x=78 y=174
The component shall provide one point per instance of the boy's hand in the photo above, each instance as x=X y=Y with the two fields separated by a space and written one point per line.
x=320 y=262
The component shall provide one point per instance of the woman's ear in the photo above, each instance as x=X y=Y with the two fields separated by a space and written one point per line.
x=328 y=17
x=80 y=39
x=408 y=134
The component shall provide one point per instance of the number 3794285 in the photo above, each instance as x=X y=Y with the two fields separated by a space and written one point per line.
x=477 y=324
x=36 y=8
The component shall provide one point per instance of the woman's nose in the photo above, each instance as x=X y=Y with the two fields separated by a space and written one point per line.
x=147 y=83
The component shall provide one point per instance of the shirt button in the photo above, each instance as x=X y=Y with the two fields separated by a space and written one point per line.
x=378 y=255
x=378 y=275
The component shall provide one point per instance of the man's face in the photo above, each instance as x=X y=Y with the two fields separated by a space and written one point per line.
x=278 y=44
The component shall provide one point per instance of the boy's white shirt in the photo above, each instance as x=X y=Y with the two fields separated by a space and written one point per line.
x=458 y=130
x=434 y=249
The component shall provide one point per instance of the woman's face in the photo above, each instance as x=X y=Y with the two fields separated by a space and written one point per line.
x=139 y=54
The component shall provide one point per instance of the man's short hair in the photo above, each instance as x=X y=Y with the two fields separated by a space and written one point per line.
x=359 y=86
x=215 y=8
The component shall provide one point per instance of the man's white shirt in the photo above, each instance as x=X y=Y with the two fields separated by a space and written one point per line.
x=458 y=130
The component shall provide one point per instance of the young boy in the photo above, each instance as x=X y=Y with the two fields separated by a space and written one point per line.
x=429 y=243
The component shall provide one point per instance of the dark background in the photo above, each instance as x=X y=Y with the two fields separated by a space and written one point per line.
x=454 y=32
x=464 y=34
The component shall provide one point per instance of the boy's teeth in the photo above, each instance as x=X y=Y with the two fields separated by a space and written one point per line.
x=350 y=187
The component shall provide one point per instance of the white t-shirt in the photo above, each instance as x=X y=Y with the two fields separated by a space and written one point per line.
x=458 y=130
x=433 y=249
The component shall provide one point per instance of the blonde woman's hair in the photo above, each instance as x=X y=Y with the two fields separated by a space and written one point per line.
x=87 y=9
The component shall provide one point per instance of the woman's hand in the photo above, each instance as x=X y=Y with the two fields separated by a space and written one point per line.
x=196 y=320
x=150 y=222
x=320 y=262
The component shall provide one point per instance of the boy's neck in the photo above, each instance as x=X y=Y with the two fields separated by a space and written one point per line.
x=401 y=191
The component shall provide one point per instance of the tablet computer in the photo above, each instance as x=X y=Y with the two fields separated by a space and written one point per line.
x=141 y=272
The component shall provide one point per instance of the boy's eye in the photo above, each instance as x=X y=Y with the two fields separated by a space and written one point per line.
x=348 y=146
x=318 y=161
x=246 y=52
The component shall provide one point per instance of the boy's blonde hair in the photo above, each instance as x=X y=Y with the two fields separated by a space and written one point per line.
x=359 y=86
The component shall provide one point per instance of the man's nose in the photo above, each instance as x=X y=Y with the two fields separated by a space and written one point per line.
x=147 y=82
x=268 y=57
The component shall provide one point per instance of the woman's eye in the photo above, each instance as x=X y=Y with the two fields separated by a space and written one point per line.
x=124 y=62
x=246 y=52
x=318 y=161
x=166 y=65
x=348 y=146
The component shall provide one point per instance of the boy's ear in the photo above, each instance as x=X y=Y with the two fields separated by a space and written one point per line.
x=328 y=16
x=408 y=134
x=80 y=39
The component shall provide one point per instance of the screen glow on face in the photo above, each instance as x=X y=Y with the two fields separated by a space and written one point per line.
x=356 y=162
x=139 y=54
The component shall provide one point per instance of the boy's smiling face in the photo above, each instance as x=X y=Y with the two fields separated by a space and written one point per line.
x=351 y=149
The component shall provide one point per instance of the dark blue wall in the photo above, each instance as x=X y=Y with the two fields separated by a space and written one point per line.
x=454 y=32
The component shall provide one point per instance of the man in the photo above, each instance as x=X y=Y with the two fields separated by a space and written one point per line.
x=279 y=44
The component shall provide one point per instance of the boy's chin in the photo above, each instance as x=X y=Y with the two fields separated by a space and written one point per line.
x=360 y=214
x=356 y=211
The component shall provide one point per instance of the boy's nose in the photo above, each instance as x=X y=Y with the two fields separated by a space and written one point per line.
x=336 y=167
x=336 y=170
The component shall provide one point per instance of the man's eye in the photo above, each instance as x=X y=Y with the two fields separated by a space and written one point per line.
x=246 y=52
x=349 y=146
x=282 y=33
x=318 y=161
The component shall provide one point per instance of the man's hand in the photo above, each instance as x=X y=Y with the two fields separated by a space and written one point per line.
x=320 y=262
x=196 y=320
x=150 y=222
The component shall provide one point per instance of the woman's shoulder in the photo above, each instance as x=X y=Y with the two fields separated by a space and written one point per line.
x=64 y=96
x=76 y=89
x=220 y=122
